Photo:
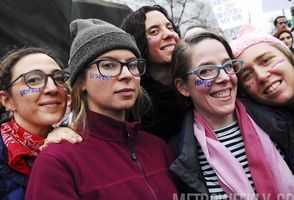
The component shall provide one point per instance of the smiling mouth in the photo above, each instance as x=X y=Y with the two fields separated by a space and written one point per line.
x=273 y=87
x=168 y=47
x=222 y=94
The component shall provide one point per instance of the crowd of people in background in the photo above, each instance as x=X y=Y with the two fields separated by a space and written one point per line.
x=283 y=31
x=143 y=112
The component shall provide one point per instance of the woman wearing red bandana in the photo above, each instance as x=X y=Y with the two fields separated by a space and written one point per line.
x=222 y=152
x=33 y=91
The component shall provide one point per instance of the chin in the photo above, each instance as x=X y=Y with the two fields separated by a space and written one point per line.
x=52 y=119
x=127 y=106
x=227 y=110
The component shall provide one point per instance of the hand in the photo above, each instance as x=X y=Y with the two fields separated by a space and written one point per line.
x=59 y=134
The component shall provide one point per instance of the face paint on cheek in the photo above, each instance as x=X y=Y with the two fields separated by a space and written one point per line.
x=29 y=90
x=249 y=86
x=153 y=37
x=99 y=76
x=205 y=83
x=277 y=63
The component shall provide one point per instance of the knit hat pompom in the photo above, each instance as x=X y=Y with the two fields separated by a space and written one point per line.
x=93 y=37
x=248 y=36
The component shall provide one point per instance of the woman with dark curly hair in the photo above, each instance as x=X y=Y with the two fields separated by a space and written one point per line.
x=156 y=36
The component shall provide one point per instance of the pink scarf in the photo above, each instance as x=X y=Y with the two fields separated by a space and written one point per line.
x=269 y=171
x=20 y=145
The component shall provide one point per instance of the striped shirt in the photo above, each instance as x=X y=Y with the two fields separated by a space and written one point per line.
x=231 y=137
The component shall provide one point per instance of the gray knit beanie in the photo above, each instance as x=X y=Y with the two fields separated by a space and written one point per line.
x=93 y=37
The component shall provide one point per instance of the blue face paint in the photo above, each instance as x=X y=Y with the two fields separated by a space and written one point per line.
x=250 y=85
x=153 y=37
x=206 y=83
x=29 y=90
x=99 y=76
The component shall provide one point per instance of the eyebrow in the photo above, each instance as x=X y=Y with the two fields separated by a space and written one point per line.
x=114 y=58
x=262 y=55
x=209 y=63
x=158 y=25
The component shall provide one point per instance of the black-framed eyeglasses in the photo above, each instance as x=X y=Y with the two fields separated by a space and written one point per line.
x=112 y=68
x=207 y=72
x=36 y=79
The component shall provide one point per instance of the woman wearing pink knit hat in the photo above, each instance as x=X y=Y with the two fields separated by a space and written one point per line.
x=267 y=75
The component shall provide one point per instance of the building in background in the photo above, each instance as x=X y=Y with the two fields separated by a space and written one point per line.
x=46 y=22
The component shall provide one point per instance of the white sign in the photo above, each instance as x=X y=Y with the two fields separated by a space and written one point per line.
x=272 y=5
x=228 y=13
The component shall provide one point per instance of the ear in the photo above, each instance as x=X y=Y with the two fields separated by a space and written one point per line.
x=181 y=87
x=6 y=101
x=83 y=86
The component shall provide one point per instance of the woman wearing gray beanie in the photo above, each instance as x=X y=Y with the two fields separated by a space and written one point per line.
x=116 y=160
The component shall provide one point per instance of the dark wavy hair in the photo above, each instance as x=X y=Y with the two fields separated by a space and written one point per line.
x=134 y=24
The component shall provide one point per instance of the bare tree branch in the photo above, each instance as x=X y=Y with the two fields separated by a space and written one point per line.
x=183 y=12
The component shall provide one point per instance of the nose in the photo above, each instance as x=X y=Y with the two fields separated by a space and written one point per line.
x=167 y=33
x=50 y=86
x=222 y=76
x=262 y=74
x=125 y=72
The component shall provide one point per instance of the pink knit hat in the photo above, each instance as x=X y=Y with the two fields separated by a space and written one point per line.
x=248 y=36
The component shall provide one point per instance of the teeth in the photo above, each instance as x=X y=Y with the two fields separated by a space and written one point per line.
x=222 y=94
x=272 y=87
x=169 y=47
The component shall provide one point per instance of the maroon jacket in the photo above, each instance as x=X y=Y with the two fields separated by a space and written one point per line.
x=115 y=161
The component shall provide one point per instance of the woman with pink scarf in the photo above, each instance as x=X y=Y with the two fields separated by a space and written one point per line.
x=222 y=152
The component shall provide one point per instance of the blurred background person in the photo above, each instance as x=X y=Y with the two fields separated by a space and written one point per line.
x=281 y=22
x=286 y=37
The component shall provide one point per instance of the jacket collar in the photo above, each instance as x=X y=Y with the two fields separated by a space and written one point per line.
x=107 y=128
x=187 y=166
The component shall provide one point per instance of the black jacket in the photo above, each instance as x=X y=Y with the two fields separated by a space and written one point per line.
x=278 y=125
x=12 y=183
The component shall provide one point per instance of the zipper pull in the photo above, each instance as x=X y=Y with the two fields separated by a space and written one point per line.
x=134 y=156
x=130 y=145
